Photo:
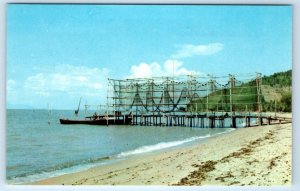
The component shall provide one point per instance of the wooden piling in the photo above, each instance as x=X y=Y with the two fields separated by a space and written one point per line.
x=233 y=118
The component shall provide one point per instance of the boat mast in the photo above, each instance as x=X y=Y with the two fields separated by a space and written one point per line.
x=76 y=111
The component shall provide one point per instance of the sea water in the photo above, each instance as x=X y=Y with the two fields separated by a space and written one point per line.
x=38 y=146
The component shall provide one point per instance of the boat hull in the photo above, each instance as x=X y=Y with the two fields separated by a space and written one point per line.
x=96 y=121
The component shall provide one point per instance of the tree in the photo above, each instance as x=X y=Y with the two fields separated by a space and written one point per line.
x=286 y=102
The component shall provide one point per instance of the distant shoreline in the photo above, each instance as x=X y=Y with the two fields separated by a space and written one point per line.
x=248 y=156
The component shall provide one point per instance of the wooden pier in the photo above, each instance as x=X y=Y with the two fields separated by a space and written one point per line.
x=207 y=120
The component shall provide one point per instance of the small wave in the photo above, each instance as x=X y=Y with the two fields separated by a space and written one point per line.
x=159 y=146
x=57 y=170
x=224 y=132
x=44 y=175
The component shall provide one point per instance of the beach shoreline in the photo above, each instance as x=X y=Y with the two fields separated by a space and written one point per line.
x=257 y=156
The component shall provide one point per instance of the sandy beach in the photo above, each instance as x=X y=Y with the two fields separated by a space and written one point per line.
x=259 y=156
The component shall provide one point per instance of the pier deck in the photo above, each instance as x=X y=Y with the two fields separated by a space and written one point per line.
x=207 y=120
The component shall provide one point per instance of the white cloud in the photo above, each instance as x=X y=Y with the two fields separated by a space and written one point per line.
x=169 y=67
x=145 y=70
x=68 y=79
x=174 y=66
x=190 y=50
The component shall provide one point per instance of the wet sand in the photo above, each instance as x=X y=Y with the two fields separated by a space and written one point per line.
x=248 y=156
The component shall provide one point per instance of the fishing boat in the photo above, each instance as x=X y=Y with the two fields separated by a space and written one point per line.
x=99 y=120
x=116 y=119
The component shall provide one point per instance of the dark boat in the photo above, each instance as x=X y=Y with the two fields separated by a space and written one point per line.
x=116 y=119
x=99 y=120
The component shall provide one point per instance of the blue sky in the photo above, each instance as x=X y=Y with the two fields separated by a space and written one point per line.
x=59 y=53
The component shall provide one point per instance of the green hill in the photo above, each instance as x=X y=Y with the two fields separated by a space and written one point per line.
x=279 y=79
x=243 y=98
x=275 y=90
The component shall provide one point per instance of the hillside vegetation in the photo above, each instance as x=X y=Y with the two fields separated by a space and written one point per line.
x=280 y=79
x=277 y=92
x=276 y=95
x=243 y=97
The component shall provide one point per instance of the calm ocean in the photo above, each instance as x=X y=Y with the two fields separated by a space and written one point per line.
x=36 y=149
